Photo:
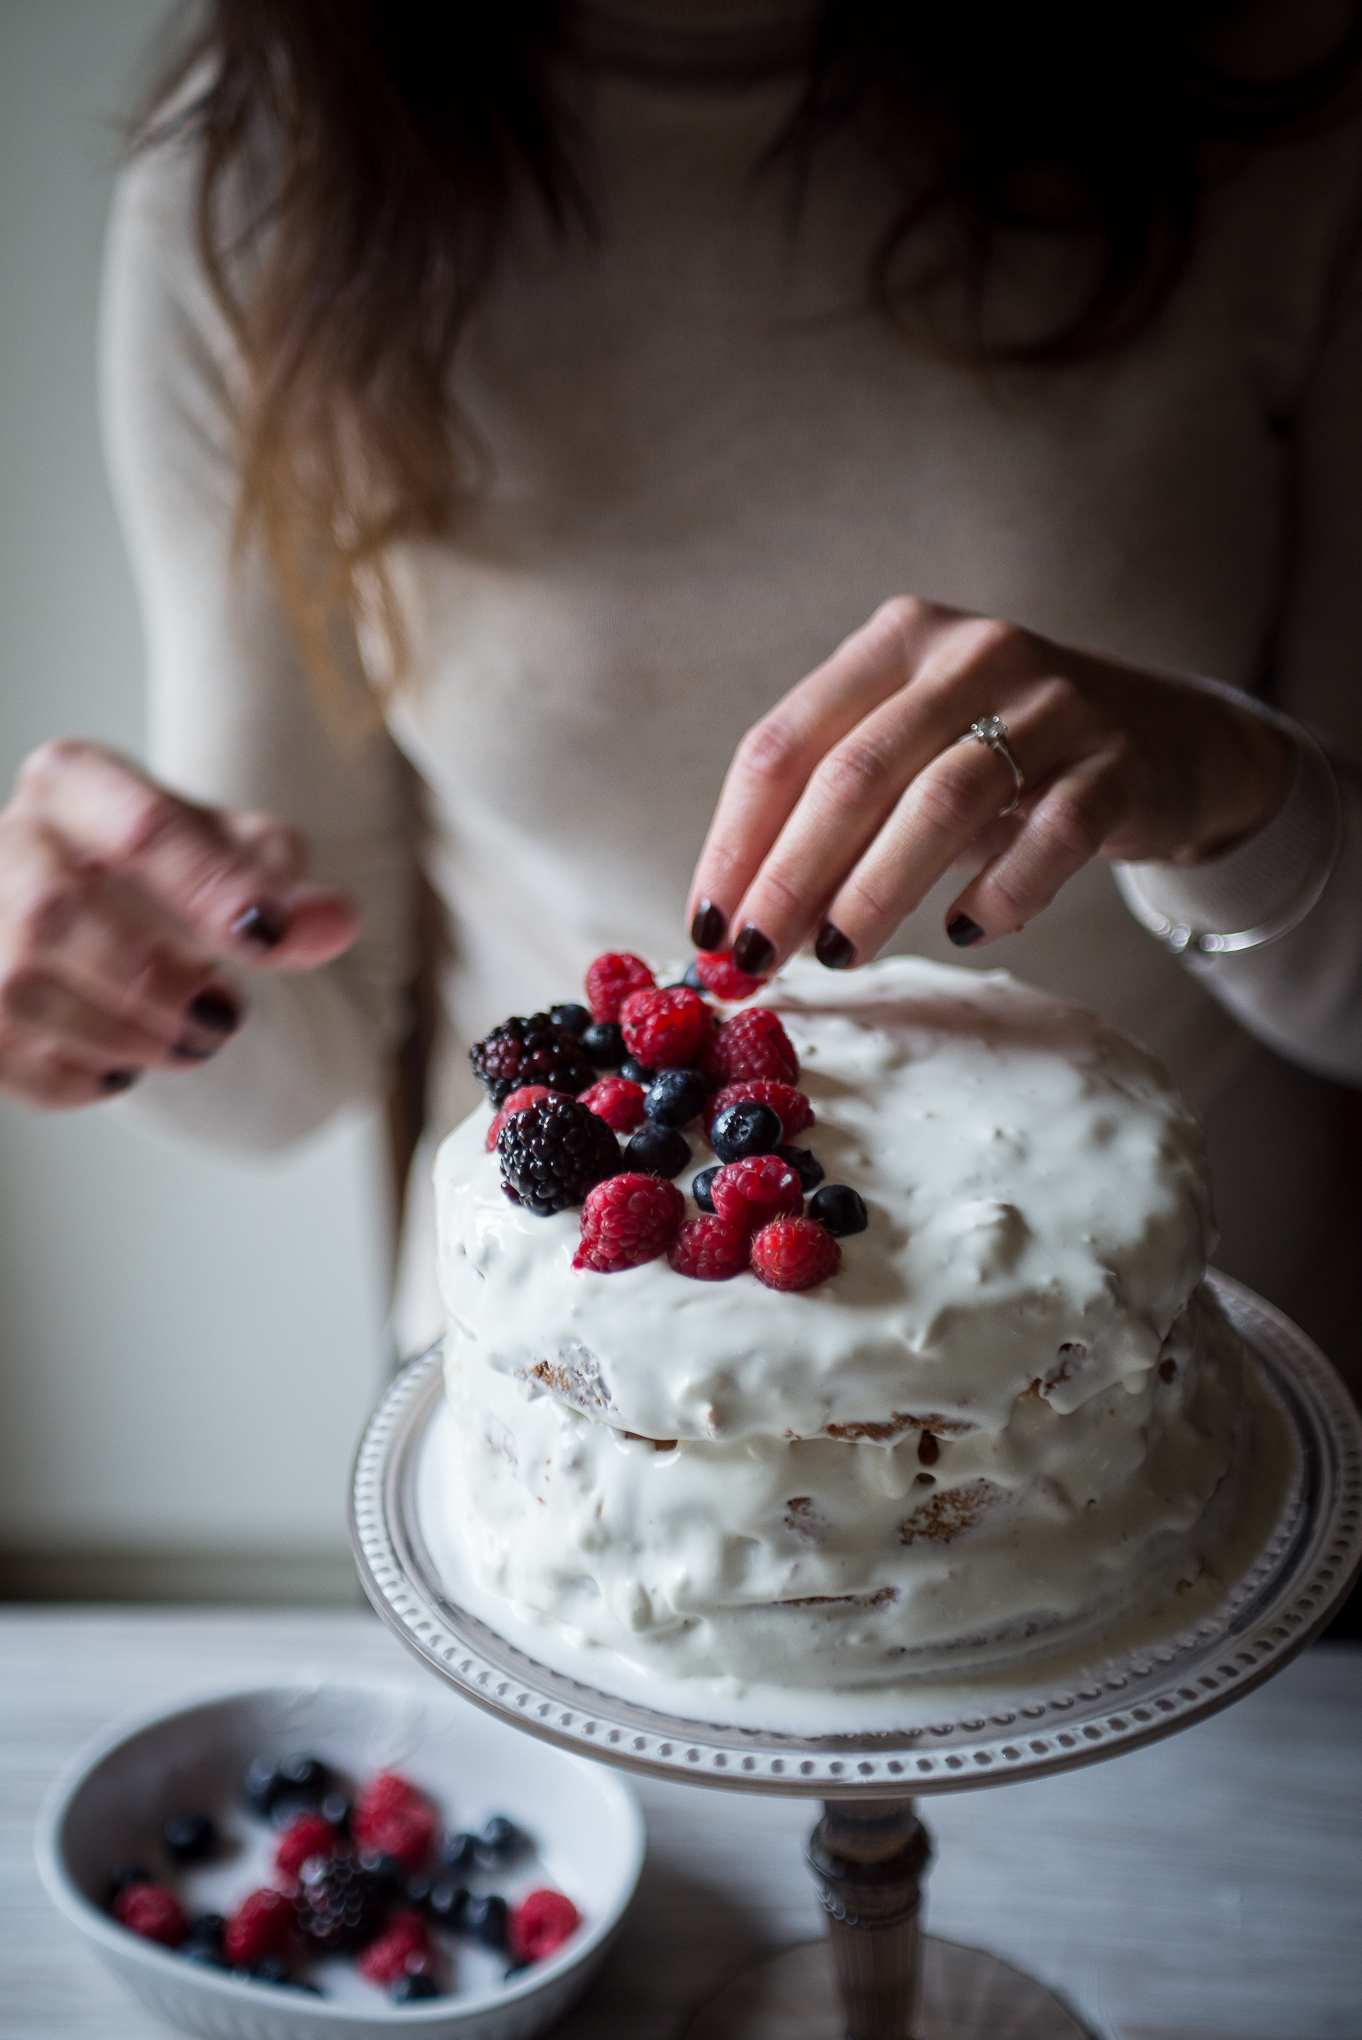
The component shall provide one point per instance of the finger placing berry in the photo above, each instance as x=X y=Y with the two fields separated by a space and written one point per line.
x=552 y=1153
x=746 y=1128
x=626 y=1221
x=610 y=980
x=796 y=1113
x=839 y=1208
x=153 y=1912
x=751 y=1044
x=666 y=1029
x=794 y=1253
x=539 y=1925
x=618 y=1102
x=710 y=1249
x=719 y=974
x=657 y=1151
x=751 y=1192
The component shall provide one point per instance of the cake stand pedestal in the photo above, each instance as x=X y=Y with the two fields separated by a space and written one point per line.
x=876 y=1977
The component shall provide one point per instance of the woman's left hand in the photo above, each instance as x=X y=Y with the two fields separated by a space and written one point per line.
x=845 y=804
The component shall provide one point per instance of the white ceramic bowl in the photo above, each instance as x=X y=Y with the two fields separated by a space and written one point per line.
x=109 y=1803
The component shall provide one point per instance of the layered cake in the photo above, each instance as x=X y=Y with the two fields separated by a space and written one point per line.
x=1003 y=1405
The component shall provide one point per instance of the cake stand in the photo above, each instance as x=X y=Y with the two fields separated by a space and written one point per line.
x=1025 y=1718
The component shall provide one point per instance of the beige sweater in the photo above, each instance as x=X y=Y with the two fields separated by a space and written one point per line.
x=708 y=463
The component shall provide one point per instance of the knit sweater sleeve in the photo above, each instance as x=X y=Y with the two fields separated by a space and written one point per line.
x=230 y=718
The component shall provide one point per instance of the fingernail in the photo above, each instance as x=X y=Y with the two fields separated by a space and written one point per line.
x=265 y=926
x=832 y=949
x=193 y=1051
x=118 y=1080
x=707 y=929
x=752 y=951
x=216 y=1010
x=962 y=931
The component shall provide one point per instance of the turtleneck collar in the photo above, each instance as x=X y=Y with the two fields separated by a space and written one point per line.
x=697 y=39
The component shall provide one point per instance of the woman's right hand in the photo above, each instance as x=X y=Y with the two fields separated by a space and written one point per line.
x=118 y=902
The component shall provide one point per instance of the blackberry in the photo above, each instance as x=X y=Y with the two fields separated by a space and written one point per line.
x=677 y=1097
x=575 y=1018
x=530 y=1051
x=340 y=1905
x=747 y=1128
x=840 y=1209
x=656 y=1151
x=603 y=1045
x=553 y=1152
x=700 y=1187
x=806 y=1166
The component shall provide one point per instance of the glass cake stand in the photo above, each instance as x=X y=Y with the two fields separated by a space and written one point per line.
x=876 y=1977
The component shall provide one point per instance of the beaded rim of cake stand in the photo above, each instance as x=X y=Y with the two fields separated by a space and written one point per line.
x=1040 y=1725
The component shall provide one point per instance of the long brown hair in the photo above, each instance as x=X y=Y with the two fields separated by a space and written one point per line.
x=395 y=138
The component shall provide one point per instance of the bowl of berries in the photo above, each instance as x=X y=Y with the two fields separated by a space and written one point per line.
x=328 y=1862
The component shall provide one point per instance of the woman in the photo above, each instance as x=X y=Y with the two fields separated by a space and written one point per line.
x=566 y=381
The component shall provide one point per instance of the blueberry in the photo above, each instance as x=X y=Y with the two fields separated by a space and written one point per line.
x=499 y=1841
x=839 y=1208
x=261 y=1785
x=290 y=1806
x=514 y=1970
x=388 y=1874
x=675 y=1099
x=204 y=1953
x=416 y=1984
x=446 y=1904
x=268 y=1969
x=575 y=1018
x=636 y=1072
x=693 y=978
x=747 y=1128
x=337 y=1809
x=701 y=1186
x=603 y=1045
x=456 y=1852
x=485 y=1920
x=303 y=1774
x=206 y=1932
x=806 y=1166
x=657 y=1151
x=190 y=1837
x=125 y=1874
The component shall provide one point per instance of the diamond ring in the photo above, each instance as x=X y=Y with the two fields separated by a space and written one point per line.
x=991 y=731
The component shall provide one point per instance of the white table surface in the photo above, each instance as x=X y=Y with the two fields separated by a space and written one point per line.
x=1208 y=1888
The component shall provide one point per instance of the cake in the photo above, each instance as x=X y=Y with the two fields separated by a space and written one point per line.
x=1012 y=1413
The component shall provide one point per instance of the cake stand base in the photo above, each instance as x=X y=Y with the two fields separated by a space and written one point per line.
x=966 y=1995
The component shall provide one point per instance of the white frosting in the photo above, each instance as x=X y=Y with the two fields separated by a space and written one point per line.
x=1039 y=1222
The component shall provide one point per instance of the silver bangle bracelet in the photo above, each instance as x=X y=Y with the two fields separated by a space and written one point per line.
x=1181 y=936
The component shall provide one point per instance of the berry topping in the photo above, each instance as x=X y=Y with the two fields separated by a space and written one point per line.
x=189 y=1837
x=603 y=1045
x=806 y=1166
x=392 y=1818
x=718 y=973
x=528 y=1094
x=402 y=1949
x=552 y=1153
x=203 y=1942
x=610 y=980
x=676 y=1098
x=702 y=1187
x=340 y=1905
x=418 y=1983
x=539 y=1925
x=667 y=1029
x=309 y=1835
x=794 y=1253
x=128 y=1873
x=752 y=1192
x=153 y=1912
x=575 y=1018
x=657 y=1151
x=389 y=1871
x=751 y=1044
x=615 y=1100
x=710 y=1249
x=529 y=1051
x=794 y=1108
x=304 y=1776
x=839 y=1208
x=637 y=1072
x=499 y=1841
x=747 y=1128
x=260 y=1926
x=628 y=1220
x=456 y=1853
x=485 y=1920
x=691 y=976
x=443 y=1902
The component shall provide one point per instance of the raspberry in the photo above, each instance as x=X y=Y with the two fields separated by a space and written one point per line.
x=309 y=1835
x=794 y=1253
x=153 y=1912
x=261 y=1925
x=794 y=1108
x=710 y=1249
x=539 y=1925
x=758 y=1188
x=610 y=980
x=392 y=1818
x=615 y=1100
x=530 y=1051
x=719 y=974
x=666 y=1029
x=553 y=1152
x=629 y=1220
x=752 y=1044
x=403 y=1948
x=340 y=1905
x=528 y=1094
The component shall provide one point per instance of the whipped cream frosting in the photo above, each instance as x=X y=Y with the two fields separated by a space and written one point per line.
x=1011 y=1409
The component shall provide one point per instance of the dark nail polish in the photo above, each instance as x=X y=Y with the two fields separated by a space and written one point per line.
x=114 y=1081
x=265 y=926
x=753 y=951
x=193 y=1051
x=707 y=929
x=216 y=1010
x=962 y=930
x=832 y=948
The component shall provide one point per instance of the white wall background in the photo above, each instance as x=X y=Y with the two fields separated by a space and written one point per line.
x=188 y=1345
